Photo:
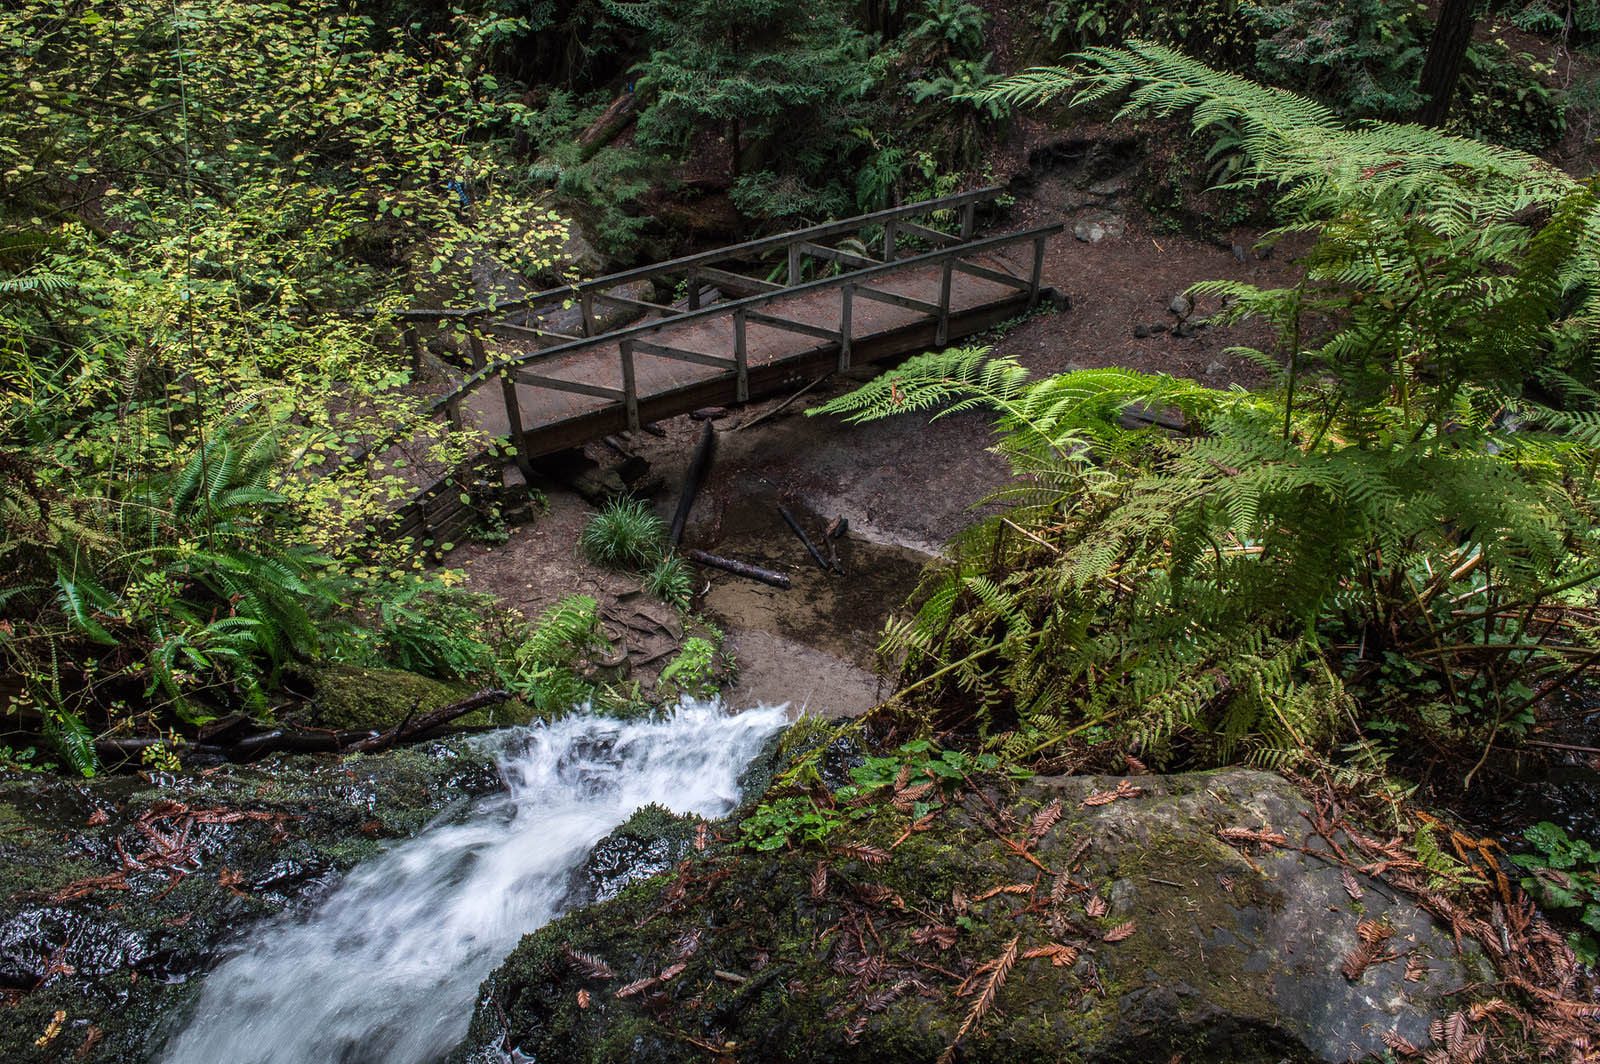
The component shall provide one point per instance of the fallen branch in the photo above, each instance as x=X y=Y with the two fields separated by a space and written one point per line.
x=759 y=418
x=410 y=729
x=738 y=568
x=805 y=540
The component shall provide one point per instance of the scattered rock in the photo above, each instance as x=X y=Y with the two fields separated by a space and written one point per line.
x=1240 y=254
x=1147 y=330
x=709 y=413
x=1182 y=305
x=1216 y=369
x=1093 y=232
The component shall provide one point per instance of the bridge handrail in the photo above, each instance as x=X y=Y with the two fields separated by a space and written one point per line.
x=706 y=258
x=1037 y=235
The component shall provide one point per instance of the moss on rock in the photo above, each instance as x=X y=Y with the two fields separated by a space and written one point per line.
x=859 y=952
x=354 y=697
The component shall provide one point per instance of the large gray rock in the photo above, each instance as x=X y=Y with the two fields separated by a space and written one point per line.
x=1229 y=954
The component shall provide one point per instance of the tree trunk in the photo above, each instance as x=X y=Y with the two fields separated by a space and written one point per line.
x=1447 y=52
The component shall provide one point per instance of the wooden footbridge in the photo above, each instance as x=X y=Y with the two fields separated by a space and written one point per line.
x=745 y=322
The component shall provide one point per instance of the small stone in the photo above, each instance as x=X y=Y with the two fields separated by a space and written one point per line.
x=1182 y=304
x=1215 y=369
x=1240 y=254
x=1147 y=330
x=1089 y=232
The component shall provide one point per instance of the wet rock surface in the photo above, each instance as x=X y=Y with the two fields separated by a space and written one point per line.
x=1160 y=930
x=116 y=894
x=648 y=843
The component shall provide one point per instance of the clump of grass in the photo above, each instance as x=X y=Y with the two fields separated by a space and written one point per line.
x=625 y=534
x=670 y=581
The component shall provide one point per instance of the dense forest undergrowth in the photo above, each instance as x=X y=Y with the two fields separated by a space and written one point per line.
x=1375 y=571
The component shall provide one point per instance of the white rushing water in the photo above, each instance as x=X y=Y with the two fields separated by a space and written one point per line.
x=387 y=967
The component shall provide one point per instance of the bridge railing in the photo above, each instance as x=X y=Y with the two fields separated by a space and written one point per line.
x=644 y=338
x=896 y=222
x=952 y=253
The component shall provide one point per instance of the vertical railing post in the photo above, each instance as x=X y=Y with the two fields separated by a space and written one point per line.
x=794 y=264
x=475 y=345
x=1038 y=272
x=452 y=412
x=890 y=232
x=741 y=359
x=586 y=305
x=968 y=219
x=630 y=390
x=519 y=450
x=694 y=290
x=847 y=301
x=942 y=333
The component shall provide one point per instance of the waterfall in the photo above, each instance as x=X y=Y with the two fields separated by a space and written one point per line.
x=386 y=968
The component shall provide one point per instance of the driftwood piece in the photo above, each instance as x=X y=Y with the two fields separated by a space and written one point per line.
x=692 y=479
x=738 y=568
x=805 y=540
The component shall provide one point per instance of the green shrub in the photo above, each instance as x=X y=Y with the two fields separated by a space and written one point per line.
x=694 y=671
x=625 y=534
x=670 y=580
x=1564 y=874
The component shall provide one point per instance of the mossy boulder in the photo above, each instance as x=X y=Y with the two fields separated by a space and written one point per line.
x=115 y=894
x=350 y=697
x=1149 y=938
x=648 y=843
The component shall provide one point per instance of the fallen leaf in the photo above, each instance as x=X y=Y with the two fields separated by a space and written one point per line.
x=1060 y=956
x=583 y=999
x=1096 y=907
x=1011 y=888
x=1044 y=820
x=1123 y=790
x=1120 y=932
x=51 y=1029
x=1351 y=887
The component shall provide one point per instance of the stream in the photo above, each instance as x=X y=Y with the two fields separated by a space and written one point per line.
x=387 y=966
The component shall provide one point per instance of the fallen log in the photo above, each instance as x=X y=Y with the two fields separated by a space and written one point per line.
x=312 y=741
x=605 y=129
x=738 y=568
x=805 y=540
x=692 y=479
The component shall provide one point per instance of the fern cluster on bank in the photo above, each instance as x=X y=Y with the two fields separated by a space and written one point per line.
x=1397 y=538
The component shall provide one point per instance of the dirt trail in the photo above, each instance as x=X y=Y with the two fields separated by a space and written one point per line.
x=905 y=485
